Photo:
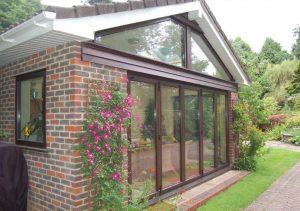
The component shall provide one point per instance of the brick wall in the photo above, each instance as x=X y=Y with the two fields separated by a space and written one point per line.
x=55 y=179
x=232 y=99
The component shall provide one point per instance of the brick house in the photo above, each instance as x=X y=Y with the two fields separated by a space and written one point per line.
x=181 y=68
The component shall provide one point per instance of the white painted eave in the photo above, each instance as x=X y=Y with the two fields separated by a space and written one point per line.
x=218 y=42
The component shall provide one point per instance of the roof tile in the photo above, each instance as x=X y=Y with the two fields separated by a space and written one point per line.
x=124 y=6
x=136 y=5
x=82 y=11
x=162 y=2
x=62 y=12
x=150 y=3
x=105 y=8
x=170 y=2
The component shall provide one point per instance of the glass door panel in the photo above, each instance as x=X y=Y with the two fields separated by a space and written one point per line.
x=208 y=132
x=143 y=135
x=170 y=135
x=191 y=133
x=222 y=136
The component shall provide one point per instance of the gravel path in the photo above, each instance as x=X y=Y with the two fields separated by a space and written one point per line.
x=283 y=194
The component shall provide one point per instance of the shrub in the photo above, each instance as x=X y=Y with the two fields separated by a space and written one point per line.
x=103 y=148
x=249 y=113
x=294 y=121
x=295 y=140
x=249 y=150
x=277 y=119
x=275 y=132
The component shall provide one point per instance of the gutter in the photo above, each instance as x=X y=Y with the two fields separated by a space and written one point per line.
x=34 y=27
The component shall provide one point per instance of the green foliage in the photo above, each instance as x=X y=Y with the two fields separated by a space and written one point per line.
x=250 y=99
x=294 y=121
x=279 y=76
x=270 y=105
x=104 y=149
x=294 y=87
x=250 y=59
x=275 y=132
x=12 y=11
x=272 y=52
x=295 y=140
x=249 y=113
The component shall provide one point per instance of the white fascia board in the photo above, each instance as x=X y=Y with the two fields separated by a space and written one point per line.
x=32 y=28
x=219 y=44
x=87 y=26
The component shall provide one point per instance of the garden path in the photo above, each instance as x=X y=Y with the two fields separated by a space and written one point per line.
x=284 y=194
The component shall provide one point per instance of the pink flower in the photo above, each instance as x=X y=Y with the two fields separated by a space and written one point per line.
x=116 y=176
x=107 y=114
x=128 y=101
x=90 y=126
x=83 y=139
x=95 y=172
x=89 y=146
x=91 y=162
x=107 y=97
x=107 y=147
x=105 y=137
x=94 y=133
x=97 y=148
x=97 y=138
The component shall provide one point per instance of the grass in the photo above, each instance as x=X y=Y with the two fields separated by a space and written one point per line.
x=239 y=196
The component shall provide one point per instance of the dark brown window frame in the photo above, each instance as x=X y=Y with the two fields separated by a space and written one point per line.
x=188 y=27
x=19 y=79
x=184 y=182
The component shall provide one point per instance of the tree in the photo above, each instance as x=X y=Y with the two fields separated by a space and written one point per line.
x=296 y=46
x=250 y=59
x=279 y=77
x=272 y=52
x=295 y=84
x=12 y=11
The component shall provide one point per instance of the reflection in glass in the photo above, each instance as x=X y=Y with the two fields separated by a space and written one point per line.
x=31 y=110
x=191 y=135
x=221 y=110
x=170 y=130
x=203 y=59
x=143 y=134
x=208 y=131
x=163 y=41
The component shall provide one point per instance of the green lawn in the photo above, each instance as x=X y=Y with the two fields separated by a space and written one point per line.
x=240 y=195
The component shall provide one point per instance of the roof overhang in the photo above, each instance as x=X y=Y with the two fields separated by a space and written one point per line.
x=44 y=30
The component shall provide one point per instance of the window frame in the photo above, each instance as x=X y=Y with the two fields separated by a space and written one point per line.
x=188 y=28
x=19 y=79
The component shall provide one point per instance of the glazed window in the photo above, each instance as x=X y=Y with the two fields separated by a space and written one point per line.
x=30 y=111
x=162 y=41
x=203 y=59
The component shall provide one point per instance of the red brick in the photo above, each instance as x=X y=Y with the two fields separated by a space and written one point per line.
x=38 y=164
x=73 y=128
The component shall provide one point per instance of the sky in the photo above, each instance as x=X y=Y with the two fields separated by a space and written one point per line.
x=252 y=20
